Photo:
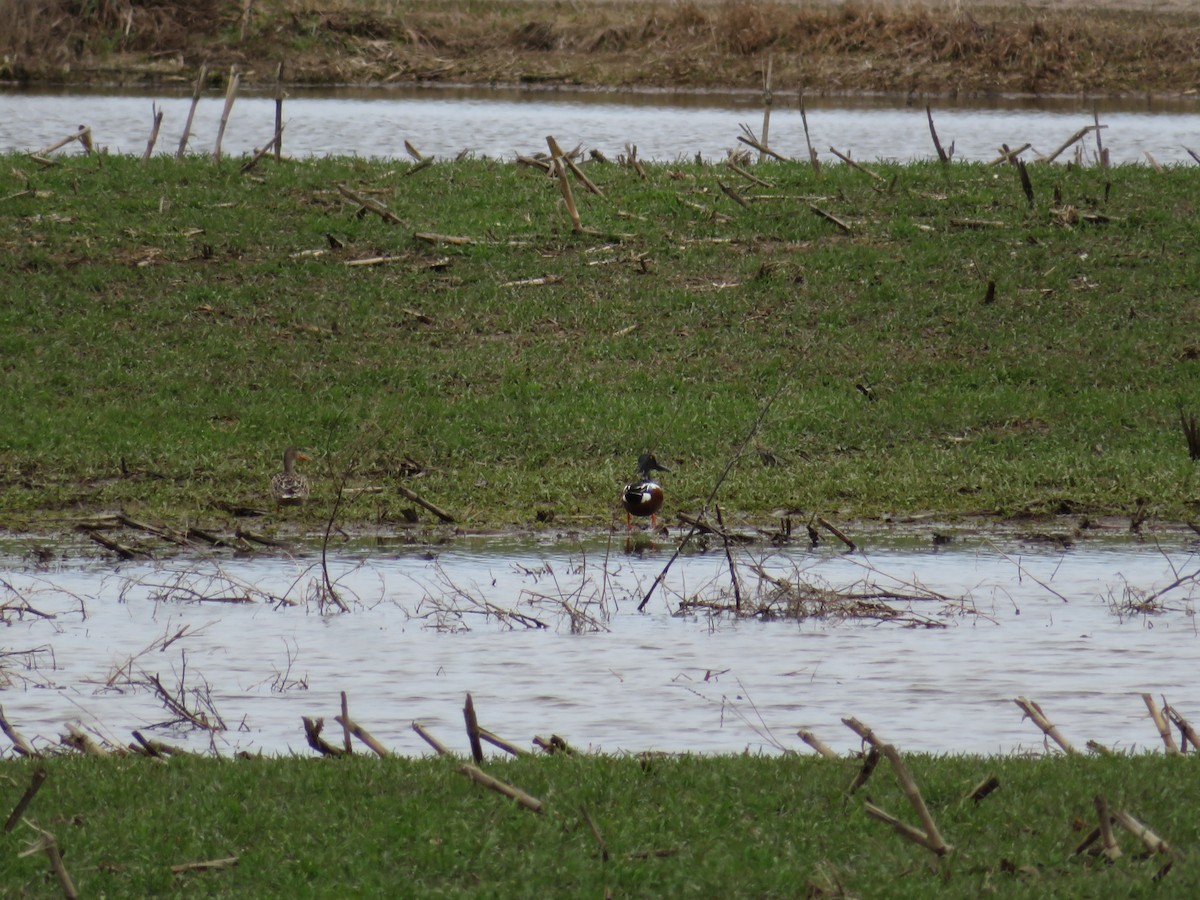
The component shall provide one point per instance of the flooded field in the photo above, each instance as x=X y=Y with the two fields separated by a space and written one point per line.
x=502 y=123
x=548 y=640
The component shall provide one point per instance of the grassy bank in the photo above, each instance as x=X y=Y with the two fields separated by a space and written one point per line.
x=679 y=827
x=897 y=46
x=168 y=328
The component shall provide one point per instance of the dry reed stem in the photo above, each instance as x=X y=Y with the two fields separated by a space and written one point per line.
x=273 y=143
x=852 y=164
x=1009 y=156
x=279 y=94
x=197 y=89
x=1163 y=726
x=930 y=838
x=916 y=835
x=564 y=184
x=421 y=501
x=235 y=78
x=1026 y=184
x=812 y=153
x=1191 y=431
x=1034 y=712
x=361 y=733
x=837 y=533
x=432 y=237
x=985 y=787
x=595 y=832
x=632 y=160
x=35 y=784
x=816 y=743
x=1110 y=848
x=428 y=738
x=157 y=749
x=205 y=865
x=472 y=729
x=943 y=156
x=502 y=787
x=1185 y=728
x=733 y=195
x=870 y=761
x=768 y=99
x=751 y=141
x=153 y=139
x=497 y=741
x=346 y=744
x=1077 y=136
x=753 y=179
x=19 y=743
x=77 y=136
x=1151 y=841
x=48 y=845
x=369 y=204
x=82 y=741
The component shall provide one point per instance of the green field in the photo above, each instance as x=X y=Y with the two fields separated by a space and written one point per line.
x=745 y=826
x=949 y=347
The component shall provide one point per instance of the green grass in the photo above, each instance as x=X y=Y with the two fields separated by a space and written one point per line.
x=746 y=826
x=172 y=315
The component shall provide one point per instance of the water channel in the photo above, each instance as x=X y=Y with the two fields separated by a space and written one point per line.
x=501 y=123
x=548 y=640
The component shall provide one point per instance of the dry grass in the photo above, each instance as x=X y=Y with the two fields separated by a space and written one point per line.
x=58 y=32
x=820 y=47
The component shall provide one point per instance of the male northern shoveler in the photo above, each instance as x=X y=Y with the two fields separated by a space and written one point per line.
x=645 y=496
x=289 y=487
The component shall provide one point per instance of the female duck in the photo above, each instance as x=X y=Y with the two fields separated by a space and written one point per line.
x=289 y=487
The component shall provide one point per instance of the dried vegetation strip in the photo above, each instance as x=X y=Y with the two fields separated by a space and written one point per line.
x=867 y=46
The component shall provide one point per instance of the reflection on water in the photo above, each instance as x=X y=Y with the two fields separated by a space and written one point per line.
x=500 y=123
x=424 y=630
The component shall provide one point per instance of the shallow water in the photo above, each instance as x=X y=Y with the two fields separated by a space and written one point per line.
x=664 y=126
x=1021 y=620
